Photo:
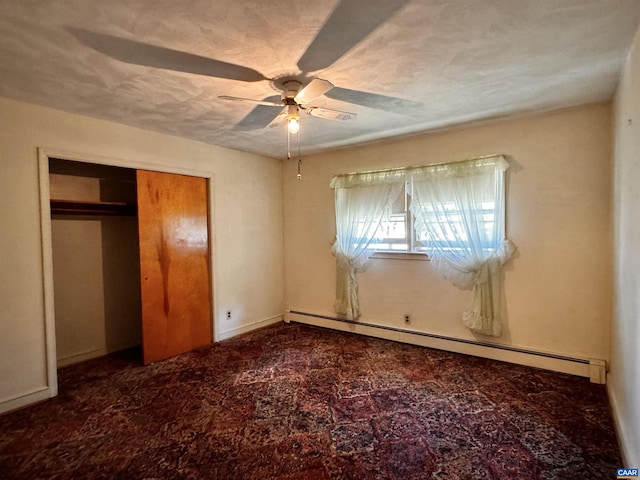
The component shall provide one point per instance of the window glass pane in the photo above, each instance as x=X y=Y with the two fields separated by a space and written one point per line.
x=397 y=232
x=400 y=204
x=447 y=228
x=392 y=234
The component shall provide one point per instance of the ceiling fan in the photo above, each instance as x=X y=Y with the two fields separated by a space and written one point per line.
x=347 y=25
x=295 y=100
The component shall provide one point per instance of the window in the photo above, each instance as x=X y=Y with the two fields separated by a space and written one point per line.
x=397 y=232
x=455 y=211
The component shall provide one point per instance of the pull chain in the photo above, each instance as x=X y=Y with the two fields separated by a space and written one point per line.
x=299 y=176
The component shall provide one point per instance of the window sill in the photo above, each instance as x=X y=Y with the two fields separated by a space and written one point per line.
x=400 y=256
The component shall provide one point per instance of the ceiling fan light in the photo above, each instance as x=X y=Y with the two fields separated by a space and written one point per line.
x=294 y=125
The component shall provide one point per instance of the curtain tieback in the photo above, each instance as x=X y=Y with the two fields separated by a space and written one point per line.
x=482 y=274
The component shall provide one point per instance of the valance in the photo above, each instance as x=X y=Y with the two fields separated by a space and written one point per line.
x=463 y=168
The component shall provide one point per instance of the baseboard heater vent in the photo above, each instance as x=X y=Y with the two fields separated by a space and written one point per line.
x=444 y=337
x=596 y=369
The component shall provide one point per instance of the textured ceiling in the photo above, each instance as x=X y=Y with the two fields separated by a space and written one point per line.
x=403 y=66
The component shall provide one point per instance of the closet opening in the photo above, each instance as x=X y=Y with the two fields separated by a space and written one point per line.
x=96 y=261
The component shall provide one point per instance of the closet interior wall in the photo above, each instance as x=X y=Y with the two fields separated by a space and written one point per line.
x=96 y=269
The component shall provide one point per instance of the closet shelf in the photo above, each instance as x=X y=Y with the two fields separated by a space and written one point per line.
x=74 y=207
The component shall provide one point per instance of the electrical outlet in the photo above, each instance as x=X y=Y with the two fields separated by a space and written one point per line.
x=406 y=319
x=228 y=314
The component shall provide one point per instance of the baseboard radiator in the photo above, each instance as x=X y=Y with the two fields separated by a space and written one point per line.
x=595 y=369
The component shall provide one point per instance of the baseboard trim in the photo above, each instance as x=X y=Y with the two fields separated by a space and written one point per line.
x=81 y=356
x=36 y=395
x=247 y=328
x=96 y=353
x=621 y=432
x=590 y=368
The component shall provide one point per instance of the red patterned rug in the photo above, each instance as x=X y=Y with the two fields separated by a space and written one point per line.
x=299 y=402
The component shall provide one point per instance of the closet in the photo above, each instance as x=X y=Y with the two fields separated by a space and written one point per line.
x=130 y=261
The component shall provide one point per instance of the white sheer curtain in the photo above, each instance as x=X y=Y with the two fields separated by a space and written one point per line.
x=361 y=203
x=460 y=207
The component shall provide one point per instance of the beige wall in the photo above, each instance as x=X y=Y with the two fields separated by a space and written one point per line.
x=247 y=228
x=624 y=386
x=78 y=285
x=558 y=286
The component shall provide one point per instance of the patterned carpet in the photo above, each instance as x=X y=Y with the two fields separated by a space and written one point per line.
x=297 y=402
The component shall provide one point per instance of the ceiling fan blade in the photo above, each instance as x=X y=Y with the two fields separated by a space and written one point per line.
x=373 y=100
x=313 y=90
x=259 y=117
x=138 y=53
x=267 y=103
x=329 y=114
x=349 y=23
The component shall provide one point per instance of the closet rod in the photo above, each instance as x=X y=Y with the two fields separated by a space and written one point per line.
x=74 y=207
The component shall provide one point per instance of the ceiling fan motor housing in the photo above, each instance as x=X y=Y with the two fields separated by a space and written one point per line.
x=291 y=89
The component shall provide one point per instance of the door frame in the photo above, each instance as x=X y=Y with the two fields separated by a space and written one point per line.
x=44 y=154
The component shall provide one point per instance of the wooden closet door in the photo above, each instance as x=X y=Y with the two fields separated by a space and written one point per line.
x=174 y=264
